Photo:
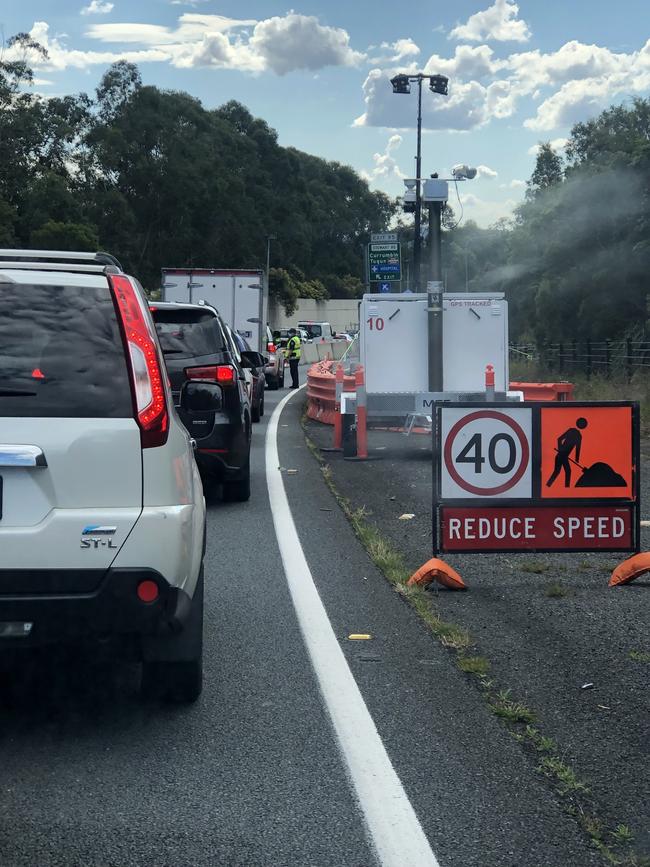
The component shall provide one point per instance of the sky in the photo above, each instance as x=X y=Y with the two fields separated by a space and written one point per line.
x=519 y=74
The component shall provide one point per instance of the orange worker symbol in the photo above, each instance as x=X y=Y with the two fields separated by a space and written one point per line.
x=586 y=452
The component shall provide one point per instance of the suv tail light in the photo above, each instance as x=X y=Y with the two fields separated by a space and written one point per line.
x=223 y=374
x=270 y=347
x=146 y=372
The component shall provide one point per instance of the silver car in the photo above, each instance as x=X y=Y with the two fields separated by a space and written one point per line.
x=274 y=370
x=103 y=516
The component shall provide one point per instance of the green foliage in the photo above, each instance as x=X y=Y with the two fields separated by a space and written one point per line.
x=574 y=260
x=64 y=236
x=159 y=180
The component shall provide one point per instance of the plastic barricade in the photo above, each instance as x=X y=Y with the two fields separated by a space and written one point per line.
x=558 y=391
x=321 y=391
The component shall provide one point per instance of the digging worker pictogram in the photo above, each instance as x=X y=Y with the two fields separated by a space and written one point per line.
x=569 y=441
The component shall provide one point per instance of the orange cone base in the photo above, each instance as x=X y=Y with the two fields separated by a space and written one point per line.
x=438 y=570
x=630 y=569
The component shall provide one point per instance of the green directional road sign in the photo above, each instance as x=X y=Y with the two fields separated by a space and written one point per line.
x=384 y=262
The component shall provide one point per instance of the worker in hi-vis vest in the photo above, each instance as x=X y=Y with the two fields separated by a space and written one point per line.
x=292 y=352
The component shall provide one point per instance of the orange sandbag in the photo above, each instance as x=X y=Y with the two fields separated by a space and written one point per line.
x=630 y=569
x=438 y=570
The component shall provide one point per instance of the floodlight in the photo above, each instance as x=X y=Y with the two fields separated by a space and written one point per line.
x=401 y=84
x=439 y=84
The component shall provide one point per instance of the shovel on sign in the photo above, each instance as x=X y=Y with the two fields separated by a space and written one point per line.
x=598 y=475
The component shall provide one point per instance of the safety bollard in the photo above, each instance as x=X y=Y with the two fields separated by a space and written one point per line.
x=489 y=383
x=338 y=420
x=362 y=413
x=349 y=435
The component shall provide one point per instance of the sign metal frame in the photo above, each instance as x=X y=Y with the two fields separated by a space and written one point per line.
x=536 y=501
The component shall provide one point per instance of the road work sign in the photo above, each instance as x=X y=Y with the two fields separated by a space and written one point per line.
x=486 y=453
x=537 y=477
x=587 y=453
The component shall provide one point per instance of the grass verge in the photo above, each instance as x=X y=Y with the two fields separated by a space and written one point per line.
x=574 y=794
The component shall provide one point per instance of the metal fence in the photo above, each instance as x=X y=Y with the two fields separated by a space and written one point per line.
x=616 y=358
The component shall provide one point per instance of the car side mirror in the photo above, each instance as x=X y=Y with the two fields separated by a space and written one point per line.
x=253 y=359
x=201 y=397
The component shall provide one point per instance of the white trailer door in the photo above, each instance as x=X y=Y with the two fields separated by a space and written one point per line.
x=475 y=335
x=176 y=286
x=248 y=314
x=394 y=343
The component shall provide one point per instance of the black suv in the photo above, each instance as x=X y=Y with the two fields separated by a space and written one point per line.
x=215 y=405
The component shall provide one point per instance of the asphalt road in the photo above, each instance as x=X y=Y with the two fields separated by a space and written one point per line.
x=543 y=649
x=253 y=774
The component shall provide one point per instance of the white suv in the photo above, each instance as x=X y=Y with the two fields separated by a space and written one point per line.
x=102 y=516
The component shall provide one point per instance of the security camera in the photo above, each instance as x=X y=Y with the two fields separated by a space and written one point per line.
x=463 y=172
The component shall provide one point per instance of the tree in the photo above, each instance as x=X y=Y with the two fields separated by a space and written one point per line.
x=64 y=236
x=117 y=86
x=547 y=173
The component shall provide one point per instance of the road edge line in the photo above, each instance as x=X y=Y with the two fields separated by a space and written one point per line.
x=394 y=828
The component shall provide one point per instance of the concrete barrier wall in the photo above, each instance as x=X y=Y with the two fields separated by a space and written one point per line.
x=342 y=314
x=321 y=351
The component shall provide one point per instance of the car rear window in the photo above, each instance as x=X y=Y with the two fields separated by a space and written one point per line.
x=188 y=333
x=61 y=353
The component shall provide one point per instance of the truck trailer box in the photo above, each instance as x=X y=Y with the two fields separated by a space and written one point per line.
x=394 y=342
x=237 y=295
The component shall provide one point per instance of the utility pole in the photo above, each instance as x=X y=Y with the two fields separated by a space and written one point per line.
x=417 y=241
x=265 y=291
x=434 y=297
x=402 y=84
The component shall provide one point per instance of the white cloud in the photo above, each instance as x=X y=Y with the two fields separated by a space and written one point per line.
x=385 y=163
x=398 y=51
x=499 y=23
x=485 y=172
x=301 y=42
x=192 y=28
x=97 y=7
x=565 y=86
x=576 y=101
x=557 y=144
x=464 y=109
x=468 y=62
x=280 y=44
x=514 y=184
x=60 y=57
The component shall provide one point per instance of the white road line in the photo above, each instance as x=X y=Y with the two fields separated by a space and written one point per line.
x=393 y=826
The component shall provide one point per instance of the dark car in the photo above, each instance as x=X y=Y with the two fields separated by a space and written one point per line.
x=259 y=381
x=215 y=405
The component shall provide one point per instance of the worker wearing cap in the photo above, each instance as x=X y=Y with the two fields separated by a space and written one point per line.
x=292 y=353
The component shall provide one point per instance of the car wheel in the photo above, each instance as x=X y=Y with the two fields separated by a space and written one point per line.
x=173 y=667
x=239 y=491
x=273 y=383
x=261 y=406
x=281 y=383
x=256 y=411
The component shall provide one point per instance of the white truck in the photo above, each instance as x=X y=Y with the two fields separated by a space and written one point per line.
x=238 y=295
x=318 y=331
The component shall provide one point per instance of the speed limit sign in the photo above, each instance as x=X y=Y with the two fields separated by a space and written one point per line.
x=485 y=453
